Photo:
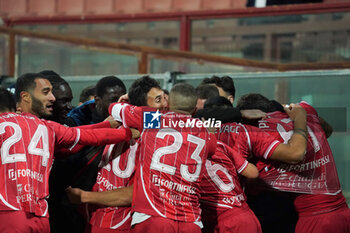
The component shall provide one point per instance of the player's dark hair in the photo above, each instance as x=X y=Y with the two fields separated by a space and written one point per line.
x=217 y=101
x=55 y=79
x=258 y=101
x=107 y=82
x=7 y=101
x=205 y=91
x=166 y=92
x=139 y=88
x=276 y=106
x=26 y=82
x=86 y=93
x=225 y=82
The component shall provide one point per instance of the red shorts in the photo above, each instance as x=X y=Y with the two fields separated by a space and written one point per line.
x=94 y=229
x=337 y=221
x=233 y=220
x=161 y=225
x=23 y=222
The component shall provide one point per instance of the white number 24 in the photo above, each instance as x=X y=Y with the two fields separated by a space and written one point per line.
x=40 y=134
x=175 y=147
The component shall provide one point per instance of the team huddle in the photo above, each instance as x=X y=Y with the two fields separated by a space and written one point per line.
x=148 y=160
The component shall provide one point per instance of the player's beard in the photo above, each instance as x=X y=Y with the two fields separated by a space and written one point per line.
x=39 y=108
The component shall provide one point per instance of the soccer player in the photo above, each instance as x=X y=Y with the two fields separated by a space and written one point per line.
x=80 y=169
x=63 y=95
x=224 y=85
x=223 y=202
x=63 y=215
x=27 y=147
x=165 y=196
x=118 y=169
x=319 y=202
x=146 y=91
x=204 y=92
x=250 y=140
x=108 y=90
x=88 y=93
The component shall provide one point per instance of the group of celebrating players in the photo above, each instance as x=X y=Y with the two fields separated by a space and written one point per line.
x=144 y=161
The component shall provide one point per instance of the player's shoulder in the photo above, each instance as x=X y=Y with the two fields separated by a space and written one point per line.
x=248 y=129
x=82 y=109
x=53 y=126
x=223 y=147
x=7 y=115
x=274 y=119
x=222 y=152
x=29 y=118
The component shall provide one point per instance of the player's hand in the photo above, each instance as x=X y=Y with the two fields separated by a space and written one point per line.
x=135 y=133
x=295 y=111
x=112 y=122
x=124 y=98
x=253 y=114
x=74 y=195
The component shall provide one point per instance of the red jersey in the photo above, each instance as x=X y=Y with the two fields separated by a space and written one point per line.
x=314 y=204
x=117 y=173
x=171 y=161
x=248 y=140
x=316 y=174
x=27 y=148
x=220 y=187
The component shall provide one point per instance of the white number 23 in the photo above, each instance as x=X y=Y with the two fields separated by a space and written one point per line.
x=175 y=147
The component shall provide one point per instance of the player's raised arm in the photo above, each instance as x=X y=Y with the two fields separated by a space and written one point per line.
x=130 y=116
x=294 y=151
x=117 y=197
x=70 y=137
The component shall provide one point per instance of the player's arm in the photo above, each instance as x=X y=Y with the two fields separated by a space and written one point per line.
x=103 y=124
x=117 y=197
x=294 y=151
x=108 y=123
x=250 y=172
x=253 y=114
x=70 y=137
x=131 y=116
x=242 y=166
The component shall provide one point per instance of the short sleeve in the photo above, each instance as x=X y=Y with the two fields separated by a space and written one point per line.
x=238 y=159
x=262 y=144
